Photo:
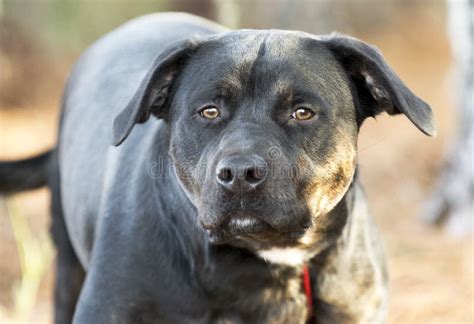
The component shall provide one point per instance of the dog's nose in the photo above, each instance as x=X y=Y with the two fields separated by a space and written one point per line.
x=241 y=173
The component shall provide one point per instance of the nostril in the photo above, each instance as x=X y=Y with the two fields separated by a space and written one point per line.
x=255 y=175
x=225 y=175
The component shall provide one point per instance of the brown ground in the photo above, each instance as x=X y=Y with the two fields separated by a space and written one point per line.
x=432 y=276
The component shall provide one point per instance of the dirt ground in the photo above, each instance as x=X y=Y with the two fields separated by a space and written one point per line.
x=431 y=274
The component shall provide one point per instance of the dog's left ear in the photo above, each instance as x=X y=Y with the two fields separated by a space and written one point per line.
x=377 y=87
x=154 y=90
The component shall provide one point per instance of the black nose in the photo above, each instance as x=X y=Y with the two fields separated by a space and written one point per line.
x=241 y=173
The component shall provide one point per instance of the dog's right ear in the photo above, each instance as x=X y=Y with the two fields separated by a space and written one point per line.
x=153 y=92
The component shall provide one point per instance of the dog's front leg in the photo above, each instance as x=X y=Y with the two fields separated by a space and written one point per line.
x=101 y=298
x=110 y=289
x=131 y=277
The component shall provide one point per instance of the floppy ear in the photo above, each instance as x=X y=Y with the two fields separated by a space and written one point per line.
x=377 y=87
x=153 y=92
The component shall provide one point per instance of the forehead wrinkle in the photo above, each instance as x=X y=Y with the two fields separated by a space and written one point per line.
x=250 y=56
x=228 y=85
x=245 y=56
x=283 y=93
x=272 y=63
x=264 y=77
x=258 y=60
x=217 y=79
x=234 y=63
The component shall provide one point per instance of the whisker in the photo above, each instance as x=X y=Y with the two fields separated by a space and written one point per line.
x=371 y=145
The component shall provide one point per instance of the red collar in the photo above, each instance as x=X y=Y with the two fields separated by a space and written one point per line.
x=307 y=290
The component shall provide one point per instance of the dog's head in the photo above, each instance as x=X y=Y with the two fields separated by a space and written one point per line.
x=263 y=127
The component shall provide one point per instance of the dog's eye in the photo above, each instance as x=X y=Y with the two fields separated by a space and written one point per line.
x=210 y=112
x=302 y=114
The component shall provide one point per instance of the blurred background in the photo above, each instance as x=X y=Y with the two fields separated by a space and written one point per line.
x=430 y=250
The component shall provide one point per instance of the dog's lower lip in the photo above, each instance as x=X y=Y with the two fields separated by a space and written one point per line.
x=242 y=221
x=241 y=225
x=238 y=226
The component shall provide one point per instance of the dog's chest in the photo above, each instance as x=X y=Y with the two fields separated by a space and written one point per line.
x=266 y=296
x=274 y=307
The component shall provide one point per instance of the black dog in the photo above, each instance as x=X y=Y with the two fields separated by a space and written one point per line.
x=242 y=176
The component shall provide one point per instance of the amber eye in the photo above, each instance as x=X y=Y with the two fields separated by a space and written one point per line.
x=210 y=112
x=302 y=114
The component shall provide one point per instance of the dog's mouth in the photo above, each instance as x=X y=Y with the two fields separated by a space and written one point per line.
x=235 y=226
x=251 y=229
x=246 y=224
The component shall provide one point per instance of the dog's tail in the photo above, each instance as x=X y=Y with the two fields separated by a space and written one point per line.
x=21 y=175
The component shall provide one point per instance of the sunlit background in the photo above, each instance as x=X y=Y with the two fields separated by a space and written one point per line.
x=431 y=270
